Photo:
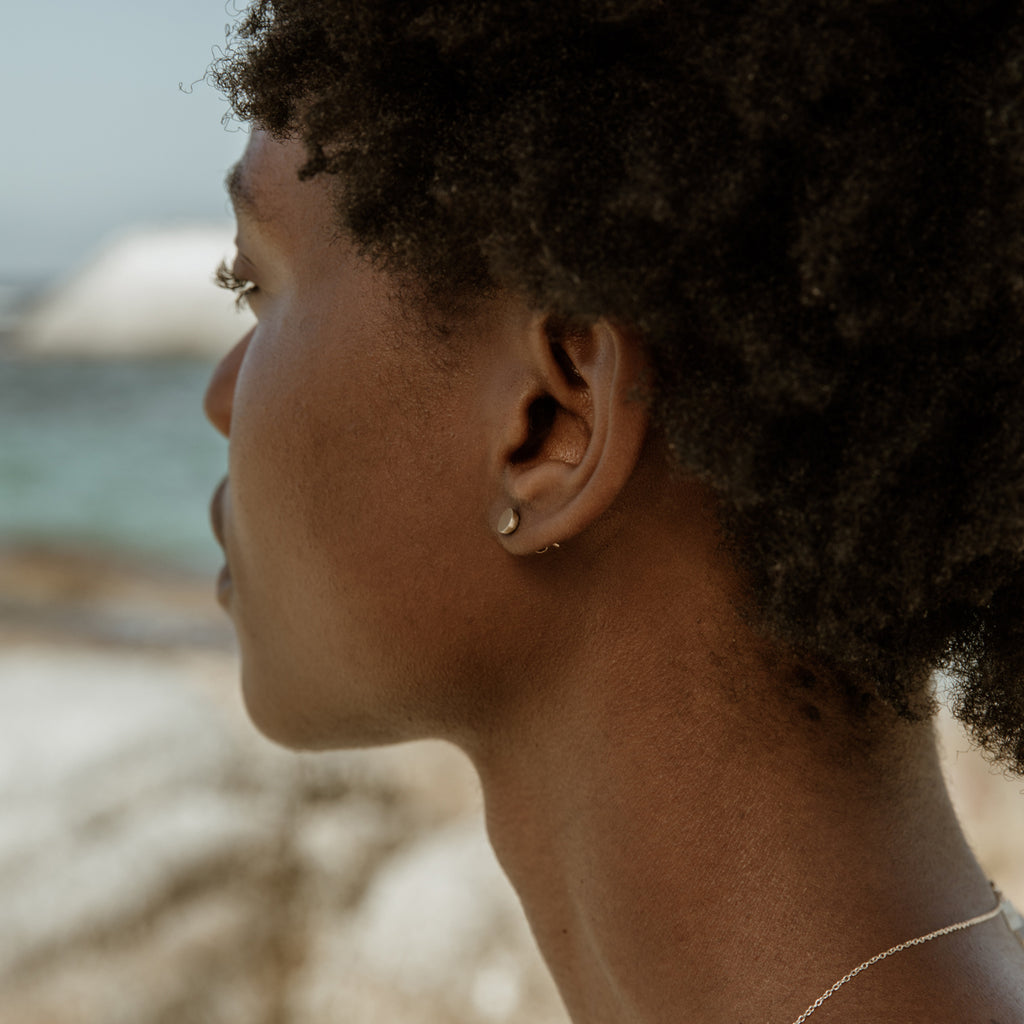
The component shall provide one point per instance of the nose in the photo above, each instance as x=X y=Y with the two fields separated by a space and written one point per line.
x=220 y=392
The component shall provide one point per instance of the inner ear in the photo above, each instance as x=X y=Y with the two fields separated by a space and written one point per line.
x=544 y=410
x=555 y=432
x=540 y=419
x=556 y=426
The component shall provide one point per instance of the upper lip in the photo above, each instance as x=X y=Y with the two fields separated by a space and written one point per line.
x=217 y=511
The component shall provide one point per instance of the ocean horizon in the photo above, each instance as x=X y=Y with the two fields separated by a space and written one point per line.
x=113 y=455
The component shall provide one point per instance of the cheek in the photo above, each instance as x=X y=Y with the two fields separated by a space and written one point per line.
x=309 y=444
x=345 y=498
x=365 y=590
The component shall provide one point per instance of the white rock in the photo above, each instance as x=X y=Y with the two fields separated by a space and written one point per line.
x=148 y=291
x=159 y=861
x=116 y=787
x=439 y=936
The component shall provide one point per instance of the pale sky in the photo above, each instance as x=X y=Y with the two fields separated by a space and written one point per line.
x=97 y=134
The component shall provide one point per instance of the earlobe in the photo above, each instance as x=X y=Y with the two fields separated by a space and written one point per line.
x=577 y=435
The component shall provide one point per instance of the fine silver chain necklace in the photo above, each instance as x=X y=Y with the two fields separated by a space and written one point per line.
x=1003 y=906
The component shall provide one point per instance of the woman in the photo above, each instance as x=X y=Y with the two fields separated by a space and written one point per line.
x=637 y=402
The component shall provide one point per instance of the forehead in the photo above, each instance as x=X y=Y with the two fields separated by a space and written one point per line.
x=267 y=194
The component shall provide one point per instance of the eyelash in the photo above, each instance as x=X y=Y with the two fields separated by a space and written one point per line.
x=224 y=277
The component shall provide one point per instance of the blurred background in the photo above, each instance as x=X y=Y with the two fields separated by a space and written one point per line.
x=160 y=862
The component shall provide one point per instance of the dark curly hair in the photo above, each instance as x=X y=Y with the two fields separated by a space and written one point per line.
x=812 y=211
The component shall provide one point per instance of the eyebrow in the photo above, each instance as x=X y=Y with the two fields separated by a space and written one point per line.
x=241 y=194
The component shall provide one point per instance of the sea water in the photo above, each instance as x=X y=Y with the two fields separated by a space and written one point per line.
x=115 y=455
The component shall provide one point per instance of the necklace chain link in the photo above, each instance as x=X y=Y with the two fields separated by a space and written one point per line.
x=920 y=940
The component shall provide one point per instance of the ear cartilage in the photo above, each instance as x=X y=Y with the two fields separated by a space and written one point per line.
x=509 y=522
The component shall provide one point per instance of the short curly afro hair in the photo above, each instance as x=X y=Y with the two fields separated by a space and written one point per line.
x=813 y=213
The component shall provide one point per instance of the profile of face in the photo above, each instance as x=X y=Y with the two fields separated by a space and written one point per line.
x=370 y=464
x=361 y=575
x=372 y=458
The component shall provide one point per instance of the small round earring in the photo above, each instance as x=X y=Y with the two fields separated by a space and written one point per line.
x=509 y=522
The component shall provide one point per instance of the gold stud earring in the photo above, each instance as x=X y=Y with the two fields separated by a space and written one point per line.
x=509 y=522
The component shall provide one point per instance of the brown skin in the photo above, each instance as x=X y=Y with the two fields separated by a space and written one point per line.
x=693 y=839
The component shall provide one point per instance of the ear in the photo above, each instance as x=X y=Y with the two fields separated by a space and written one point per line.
x=572 y=437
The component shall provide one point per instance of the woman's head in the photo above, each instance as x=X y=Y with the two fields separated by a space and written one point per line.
x=371 y=462
x=812 y=215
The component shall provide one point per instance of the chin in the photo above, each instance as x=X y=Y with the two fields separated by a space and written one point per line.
x=277 y=709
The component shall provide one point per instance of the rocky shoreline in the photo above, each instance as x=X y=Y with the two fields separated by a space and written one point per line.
x=160 y=863
x=68 y=593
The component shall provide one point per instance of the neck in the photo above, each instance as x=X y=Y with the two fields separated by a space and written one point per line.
x=684 y=856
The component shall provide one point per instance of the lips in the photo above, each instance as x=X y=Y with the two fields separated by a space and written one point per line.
x=217 y=511
x=224 y=581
